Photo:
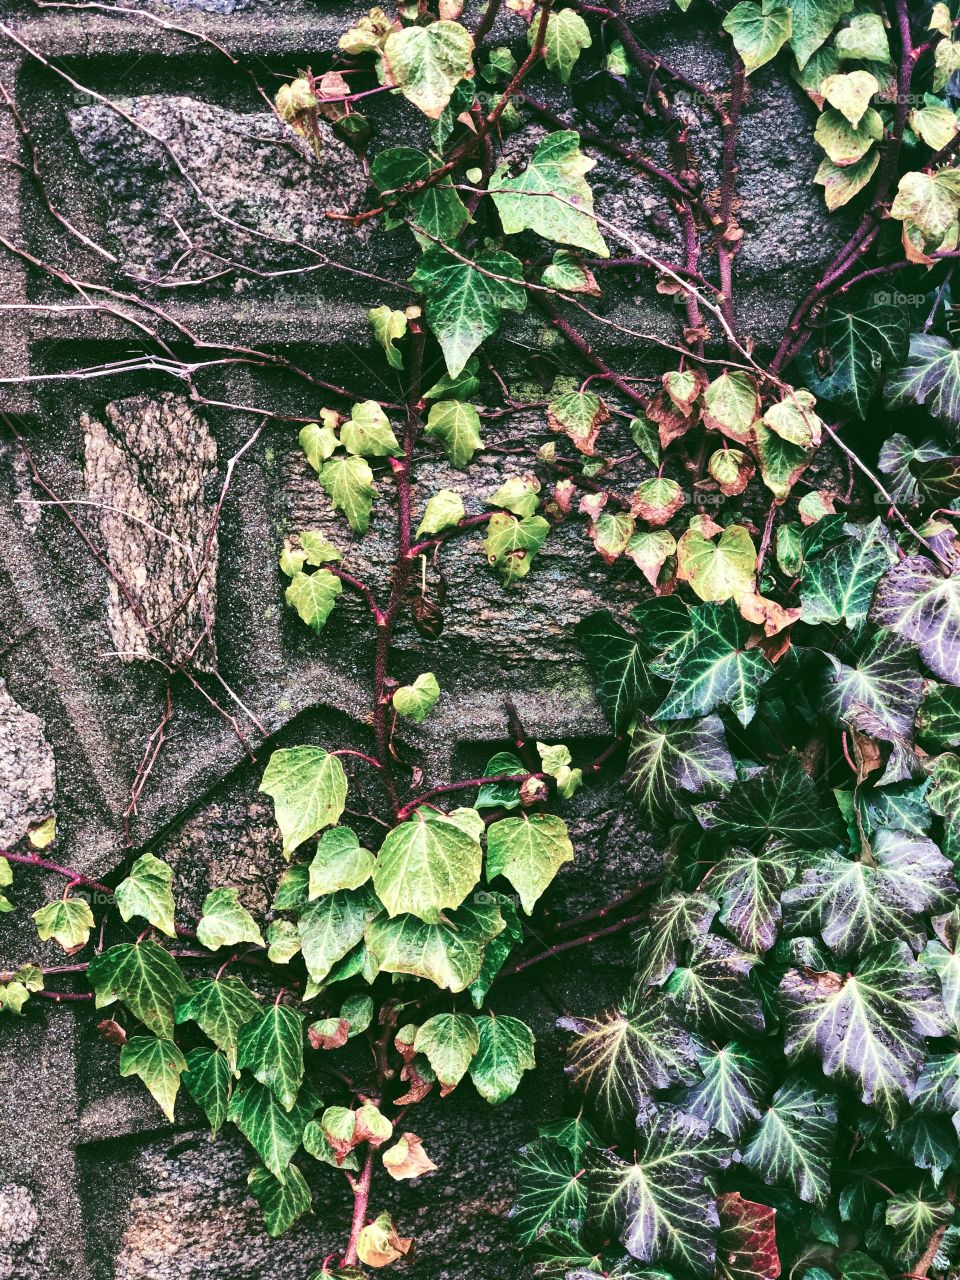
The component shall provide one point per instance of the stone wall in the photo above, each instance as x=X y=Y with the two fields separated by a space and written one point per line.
x=93 y=1184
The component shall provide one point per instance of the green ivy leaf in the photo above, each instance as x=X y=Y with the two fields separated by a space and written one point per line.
x=332 y=926
x=862 y=336
x=883 y=680
x=313 y=595
x=618 y=661
x=208 y=1080
x=437 y=211
x=449 y=954
x=339 y=863
x=511 y=544
x=427 y=63
x=159 y=1064
x=309 y=790
x=913 y=1217
x=735 y=1082
x=528 y=851
x=517 y=494
x=146 y=892
x=779 y=802
x=813 y=21
x=570 y=274
x=283 y=1203
x=368 y=432
x=271 y=1047
x=449 y=1042
x=426 y=865
x=319 y=442
x=220 y=1007
x=566 y=36
x=388 y=328
x=464 y=301
x=914 y=600
x=749 y=887
x=864 y=37
x=720 y=670
x=794 y=1143
x=497 y=950
x=142 y=975
x=275 y=1134
x=68 y=920
x=672 y=759
x=550 y=1188
x=505 y=1052
x=417 y=700
x=444 y=510
x=674 y=920
x=839 y=585
x=712 y=990
x=349 y=484
x=551 y=196
x=224 y=922
x=457 y=427
x=501 y=795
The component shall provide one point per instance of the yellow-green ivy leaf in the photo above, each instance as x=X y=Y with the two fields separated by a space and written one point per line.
x=426 y=865
x=511 y=544
x=349 y=482
x=368 y=432
x=309 y=790
x=159 y=1064
x=313 y=595
x=388 y=328
x=551 y=196
x=443 y=511
x=417 y=700
x=427 y=63
x=759 y=31
x=566 y=36
x=457 y=427
x=146 y=892
x=719 y=570
x=225 y=922
x=68 y=921
x=528 y=851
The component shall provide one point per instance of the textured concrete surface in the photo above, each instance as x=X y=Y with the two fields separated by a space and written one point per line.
x=95 y=1185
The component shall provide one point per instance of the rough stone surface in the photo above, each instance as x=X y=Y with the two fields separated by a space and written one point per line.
x=18 y=1226
x=27 y=771
x=149 y=471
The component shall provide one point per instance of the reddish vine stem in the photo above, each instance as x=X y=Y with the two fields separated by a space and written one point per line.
x=577 y=340
x=727 y=236
x=465 y=784
x=42 y=864
x=520 y=966
x=361 y=1201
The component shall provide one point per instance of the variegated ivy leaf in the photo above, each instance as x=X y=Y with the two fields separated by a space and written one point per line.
x=855 y=904
x=865 y=37
x=427 y=63
x=309 y=790
x=712 y=990
x=843 y=142
x=225 y=922
x=274 y=1133
x=426 y=865
x=650 y=550
x=282 y=1203
x=511 y=544
x=660 y=1205
x=747 y=1243
x=505 y=1052
x=610 y=534
x=332 y=926
x=159 y=1064
x=417 y=700
x=620 y=1060
x=731 y=404
x=449 y=954
x=913 y=1217
x=883 y=680
x=339 y=863
x=674 y=920
x=517 y=494
x=930 y=377
x=551 y=195
x=916 y=601
x=349 y=484
x=866 y=1028
x=793 y=1145
x=728 y=1098
x=528 y=851
x=271 y=1048
x=569 y=273
x=851 y=92
x=68 y=920
x=145 y=977
x=942 y=956
x=717 y=570
x=579 y=415
x=720 y=670
x=749 y=887
x=619 y=665
x=389 y=327
x=566 y=35
x=464 y=301
x=550 y=1188
x=209 y=1080
x=839 y=585
x=864 y=336
x=672 y=759
x=146 y=893
x=368 y=433
x=449 y=1042
x=732 y=469
x=220 y=1007
x=840 y=185
x=937 y=1090
x=779 y=802
x=657 y=500
x=443 y=511
x=813 y=21
x=457 y=427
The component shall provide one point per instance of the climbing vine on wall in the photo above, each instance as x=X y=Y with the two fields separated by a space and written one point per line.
x=778 y=1089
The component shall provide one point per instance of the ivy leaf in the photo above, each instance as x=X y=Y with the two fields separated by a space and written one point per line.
x=271 y=1047
x=863 y=337
x=208 y=1080
x=731 y=404
x=332 y=926
x=309 y=790
x=457 y=427
x=864 y=37
x=866 y=1028
x=930 y=377
x=657 y=500
x=938 y=1086
x=145 y=977
x=426 y=865
x=566 y=35
x=843 y=142
x=224 y=922
x=505 y=1052
x=781 y=462
x=938 y=719
x=851 y=92
x=319 y=443
x=720 y=671
x=313 y=595
x=448 y=954
x=747 y=1243
x=273 y=1133
x=749 y=887
x=717 y=570
x=501 y=795
x=942 y=955
x=842 y=182
x=712 y=989
x=578 y=415
x=449 y=1042
x=813 y=21
x=913 y=1217
x=649 y=550
x=388 y=328
x=793 y=1146
x=407 y=1159
x=316 y=548
x=349 y=483
x=855 y=905
x=619 y=665
x=282 y=1203
x=528 y=851
x=159 y=1064
x=427 y=63
x=621 y=1060
x=339 y=863
x=437 y=211
x=926 y=1141
x=672 y=759
x=839 y=585
x=735 y=1081
x=759 y=31
x=660 y=1206
x=569 y=273
x=550 y=1188
x=68 y=920
x=551 y=196
x=417 y=700
x=915 y=601
x=464 y=301
x=511 y=544
x=674 y=920
x=220 y=1007
x=368 y=433
x=780 y=801
x=882 y=679
x=146 y=892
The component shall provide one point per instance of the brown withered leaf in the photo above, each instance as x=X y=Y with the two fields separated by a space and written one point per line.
x=407 y=1159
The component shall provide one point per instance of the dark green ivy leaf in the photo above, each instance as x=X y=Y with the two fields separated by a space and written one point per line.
x=618 y=662
x=860 y=339
x=673 y=921
x=749 y=886
x=550 y=1188
x=670 y=759
x=712 y=990
x=794 y=1144
x=780 y=801
x=735 y=1081
x=208 y=1080
x=913 y=1217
